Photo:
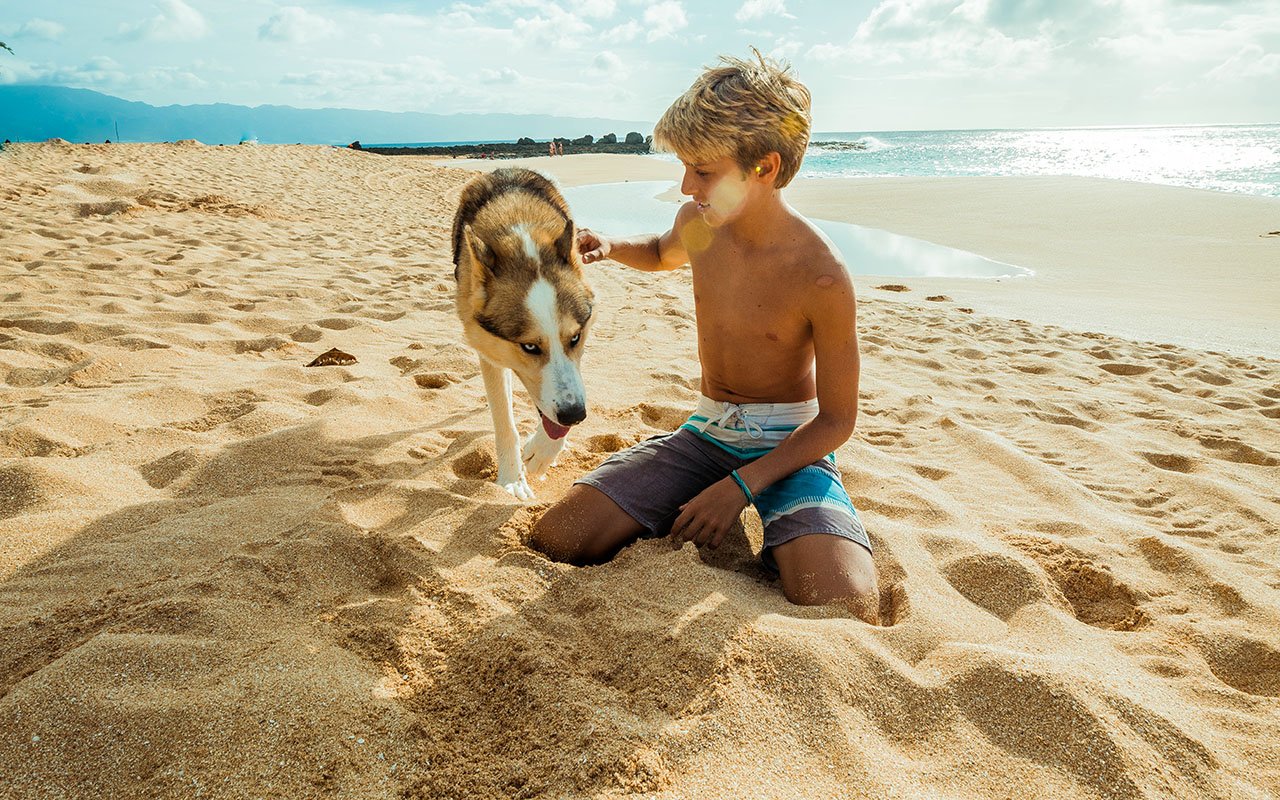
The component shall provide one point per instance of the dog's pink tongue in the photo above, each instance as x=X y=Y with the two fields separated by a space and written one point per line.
x=554 y=430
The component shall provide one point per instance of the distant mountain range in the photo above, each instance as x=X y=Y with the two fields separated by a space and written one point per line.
x=36 y=113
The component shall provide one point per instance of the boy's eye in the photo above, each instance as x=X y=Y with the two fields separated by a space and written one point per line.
x=701 y=174
x=531 y=349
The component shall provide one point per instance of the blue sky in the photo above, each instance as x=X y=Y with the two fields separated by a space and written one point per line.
x=871 y=64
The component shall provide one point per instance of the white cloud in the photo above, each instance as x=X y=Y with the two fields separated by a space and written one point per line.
x=625 y=32
x=786 y=48
x=297 y=25
x=596 y=9
x=759 y=9
x=176 y=22
x=1251 y=62
x=606 y=63
x=504 y=75
x=664 y=19
x=554 y=26
x=41 y=29
x=103 y=73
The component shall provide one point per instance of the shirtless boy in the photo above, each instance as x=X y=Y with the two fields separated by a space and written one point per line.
x=778 y=349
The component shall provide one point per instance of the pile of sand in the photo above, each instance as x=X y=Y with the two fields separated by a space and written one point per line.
x=223 y=573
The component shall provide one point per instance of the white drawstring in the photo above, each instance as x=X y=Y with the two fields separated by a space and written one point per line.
x=730 y=413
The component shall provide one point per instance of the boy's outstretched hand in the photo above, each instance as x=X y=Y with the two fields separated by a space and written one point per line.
x=705 y=519
x=592 y=246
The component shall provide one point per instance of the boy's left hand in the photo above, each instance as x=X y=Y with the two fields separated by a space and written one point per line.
x=705 y=519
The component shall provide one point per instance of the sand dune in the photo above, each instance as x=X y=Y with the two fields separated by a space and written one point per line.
x=223 y=573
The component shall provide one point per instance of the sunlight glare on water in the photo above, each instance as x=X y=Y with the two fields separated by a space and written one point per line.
x=1237 y=158
x=628 y=208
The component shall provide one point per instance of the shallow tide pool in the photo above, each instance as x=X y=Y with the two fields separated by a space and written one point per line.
x=633 y=207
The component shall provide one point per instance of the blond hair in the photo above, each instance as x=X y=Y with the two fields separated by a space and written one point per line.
x=744 y=109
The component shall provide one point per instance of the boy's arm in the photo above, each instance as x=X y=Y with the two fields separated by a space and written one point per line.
x=833 y=315
x=648 y=252
x=832 y=312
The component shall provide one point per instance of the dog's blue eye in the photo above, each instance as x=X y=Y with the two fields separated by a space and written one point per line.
x=531 y=349
x=574 y=341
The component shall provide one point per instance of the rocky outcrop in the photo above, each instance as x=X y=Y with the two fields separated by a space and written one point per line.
x=525 y=147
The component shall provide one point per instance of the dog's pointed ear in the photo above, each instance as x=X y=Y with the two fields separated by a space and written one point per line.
x=481 y=253
x=564 y=245
x=481 y=266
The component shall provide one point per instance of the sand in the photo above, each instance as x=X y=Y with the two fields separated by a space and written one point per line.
x=226 y=574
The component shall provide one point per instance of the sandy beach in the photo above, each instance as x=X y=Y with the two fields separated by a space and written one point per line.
x=226 y=574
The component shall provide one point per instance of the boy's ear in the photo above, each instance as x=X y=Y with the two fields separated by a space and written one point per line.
x=768 y=166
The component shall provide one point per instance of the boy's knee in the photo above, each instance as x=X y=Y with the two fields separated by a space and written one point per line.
x=562 y=537
x=586 y=527
x=552 y=538
x=857 y=592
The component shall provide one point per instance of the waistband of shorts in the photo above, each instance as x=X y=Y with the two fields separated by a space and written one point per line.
x=763 y=414
x=748 y=429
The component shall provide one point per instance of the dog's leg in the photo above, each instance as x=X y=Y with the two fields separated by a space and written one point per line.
x=540 y=452
x=497 y=387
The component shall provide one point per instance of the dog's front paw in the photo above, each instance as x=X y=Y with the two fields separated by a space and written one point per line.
x=540 y=451
x=519 y=487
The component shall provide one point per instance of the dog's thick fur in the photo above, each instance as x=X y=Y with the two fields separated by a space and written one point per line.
x=525 y=308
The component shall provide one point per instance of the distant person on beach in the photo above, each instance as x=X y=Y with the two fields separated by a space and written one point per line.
x=551 y=148
x=560 y=148
x=778 y=348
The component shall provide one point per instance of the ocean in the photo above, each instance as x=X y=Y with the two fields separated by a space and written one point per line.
x=1226 y=158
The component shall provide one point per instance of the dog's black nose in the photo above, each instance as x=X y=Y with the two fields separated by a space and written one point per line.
x=571 y=415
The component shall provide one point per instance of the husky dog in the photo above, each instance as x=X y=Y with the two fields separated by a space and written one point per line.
x=525 y=308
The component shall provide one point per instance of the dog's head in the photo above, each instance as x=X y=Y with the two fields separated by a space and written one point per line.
x=528 y=307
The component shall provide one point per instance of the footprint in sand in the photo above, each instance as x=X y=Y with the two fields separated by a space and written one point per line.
x=1170 y=461
x=307 y=333
x=665 y=417
x=998 y=583
x=606 y=443
x=1238 y=452
x=433 y=380
x=1208 y=377
x=892 y=287
x=1097 y=598
x=1242 y=663
x=478 y=462
x=1116 y=368
x=932 y=473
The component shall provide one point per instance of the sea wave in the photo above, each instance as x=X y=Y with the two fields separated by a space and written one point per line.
x=865 y=144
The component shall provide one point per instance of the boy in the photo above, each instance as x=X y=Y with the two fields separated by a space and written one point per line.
x=779 y=354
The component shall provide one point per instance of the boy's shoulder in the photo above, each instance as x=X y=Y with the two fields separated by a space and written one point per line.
x=812 y=251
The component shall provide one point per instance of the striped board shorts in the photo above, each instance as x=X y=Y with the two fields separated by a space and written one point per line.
x=651 y=480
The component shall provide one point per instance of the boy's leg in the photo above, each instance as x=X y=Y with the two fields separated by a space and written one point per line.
x=635 y=492
x=815 y=541
x=585 y=527
x=827 y=569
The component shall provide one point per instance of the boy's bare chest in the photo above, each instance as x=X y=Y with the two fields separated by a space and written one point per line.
x=747 y=305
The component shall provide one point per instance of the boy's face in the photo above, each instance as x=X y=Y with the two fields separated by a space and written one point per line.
x=720 y=188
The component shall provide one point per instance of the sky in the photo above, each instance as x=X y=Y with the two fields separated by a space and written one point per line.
x=871 y=65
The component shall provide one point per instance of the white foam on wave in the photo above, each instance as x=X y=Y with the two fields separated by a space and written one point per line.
x=863 y=144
